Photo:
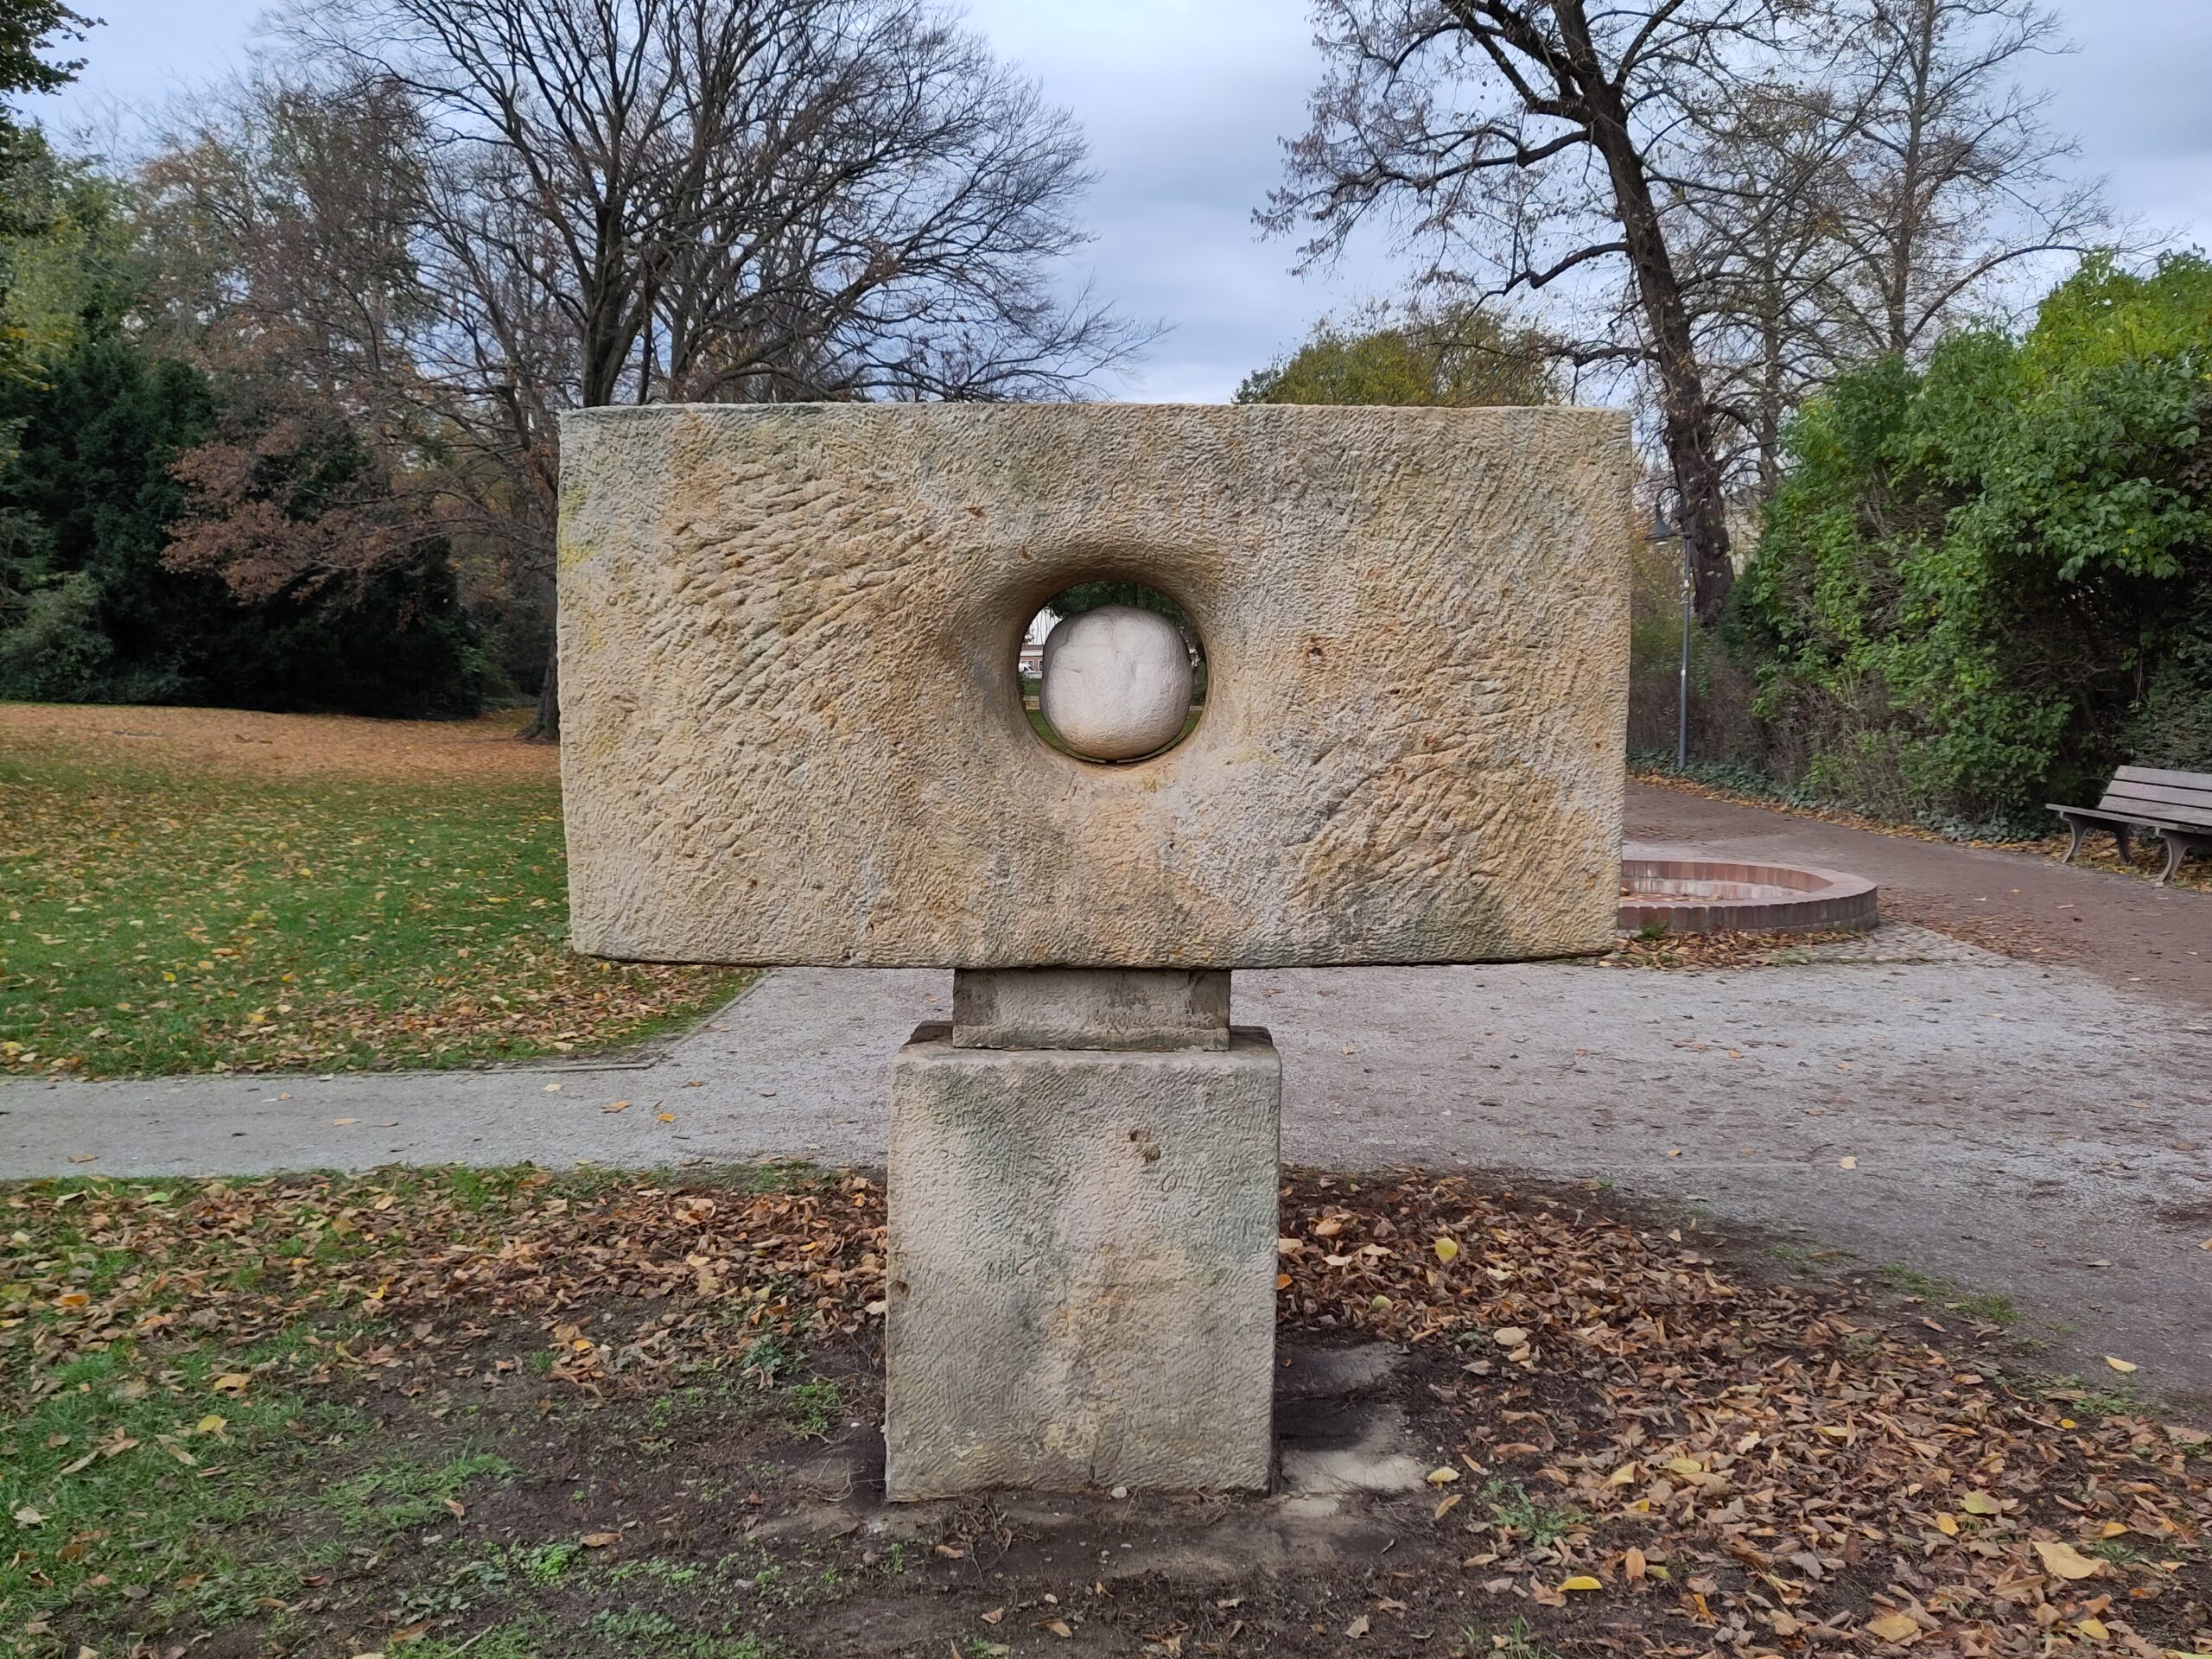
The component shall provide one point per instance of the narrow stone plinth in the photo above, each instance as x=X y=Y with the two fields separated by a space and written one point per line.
x=1082 y=1267
x=1089 y=1008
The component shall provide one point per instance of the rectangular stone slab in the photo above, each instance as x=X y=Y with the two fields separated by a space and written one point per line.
x=793 y=731
x=1089 y=1008
x=1082 y=1268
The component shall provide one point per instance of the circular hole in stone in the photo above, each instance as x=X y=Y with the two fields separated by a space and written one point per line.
x=1112 y=671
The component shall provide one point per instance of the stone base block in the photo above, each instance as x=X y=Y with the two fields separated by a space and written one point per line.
x=1089 y=1008
x=1082 y=1267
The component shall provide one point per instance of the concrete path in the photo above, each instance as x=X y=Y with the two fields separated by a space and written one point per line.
x=2021 y=1128
x=2141 y=939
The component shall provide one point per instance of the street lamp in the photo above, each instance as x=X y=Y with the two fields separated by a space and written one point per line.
x=1664 y=531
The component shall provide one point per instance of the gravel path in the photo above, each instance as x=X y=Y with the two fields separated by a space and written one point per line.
x=2021 y=1128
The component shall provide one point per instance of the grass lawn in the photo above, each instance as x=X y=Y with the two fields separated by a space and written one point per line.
x=613 y=1416
x=186 y=890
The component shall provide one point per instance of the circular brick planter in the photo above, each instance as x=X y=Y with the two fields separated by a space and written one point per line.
x=1722 y=895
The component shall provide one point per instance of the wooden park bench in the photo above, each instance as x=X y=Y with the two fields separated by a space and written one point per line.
x=2177 y=804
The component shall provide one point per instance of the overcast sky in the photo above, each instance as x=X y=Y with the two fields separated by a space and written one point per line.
x=1185 y=102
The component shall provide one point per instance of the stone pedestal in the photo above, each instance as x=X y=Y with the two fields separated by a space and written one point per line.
x=1083 y=1252
x=1089 y=1008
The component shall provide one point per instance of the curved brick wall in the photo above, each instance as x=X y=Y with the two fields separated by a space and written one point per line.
x=1721 y=895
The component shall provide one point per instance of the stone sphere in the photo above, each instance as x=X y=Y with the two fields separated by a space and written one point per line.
x=1116 y=682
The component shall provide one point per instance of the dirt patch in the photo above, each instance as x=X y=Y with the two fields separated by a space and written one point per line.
x=282 y=746
x=1720 y=949
x=2189 y=1216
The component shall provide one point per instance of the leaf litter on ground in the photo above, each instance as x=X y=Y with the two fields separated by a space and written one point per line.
x=1662 y=1454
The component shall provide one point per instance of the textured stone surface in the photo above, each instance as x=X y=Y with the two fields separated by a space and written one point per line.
x=1116 y=682
x=1089 y=1008
x=1082 y=1267
x=792 y=733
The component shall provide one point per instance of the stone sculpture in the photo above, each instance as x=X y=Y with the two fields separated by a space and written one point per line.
x=793 y=734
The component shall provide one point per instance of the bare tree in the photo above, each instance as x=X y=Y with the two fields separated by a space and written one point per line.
x=1764 y=272
x=1544 y=140
x=285 y=223
x=625 y=201
x=1854 y=205
x=1953 y=179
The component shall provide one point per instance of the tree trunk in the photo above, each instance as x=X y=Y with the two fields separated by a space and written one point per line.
x=1687 y=428
x=546 y=722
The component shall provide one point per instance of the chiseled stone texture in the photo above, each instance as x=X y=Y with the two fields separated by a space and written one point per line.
x=1089 y=1008
x=1082 y=1267
x=791 y=732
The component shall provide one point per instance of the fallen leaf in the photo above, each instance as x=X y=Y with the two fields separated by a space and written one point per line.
x=994 y=1615
x=28 y=1516
x=1632 y=1565
x=2092 y=1628
x=1358 y=1626
x=1446 y=1507
x=616 y=1106
x=600 y=1539
x=232 y=1382
x=1446 y=1249
x=2065 y=1560
x=1443 y=1475
x=1948 y=1525
x=1853 y=1163
x=1980 y=1504
x=1511 y=1336
x=1581 y=1581
x=342 y=1122
x=1892 y=1627
x=1058 y=1626
x=2119 y=1365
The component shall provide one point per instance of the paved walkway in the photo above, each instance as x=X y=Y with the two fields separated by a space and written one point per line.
x=2139 y=938
x=2043 y=1130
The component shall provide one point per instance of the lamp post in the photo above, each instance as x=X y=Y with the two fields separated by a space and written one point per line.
x=1664 y=531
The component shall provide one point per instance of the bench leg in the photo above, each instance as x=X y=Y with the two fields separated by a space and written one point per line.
x=2073 y=840
x=2177 y=848
x=2124 y=837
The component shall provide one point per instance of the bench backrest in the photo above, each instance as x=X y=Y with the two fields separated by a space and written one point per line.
x=2150 y=792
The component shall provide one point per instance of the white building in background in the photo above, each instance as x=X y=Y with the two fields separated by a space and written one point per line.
x=1031 y=659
